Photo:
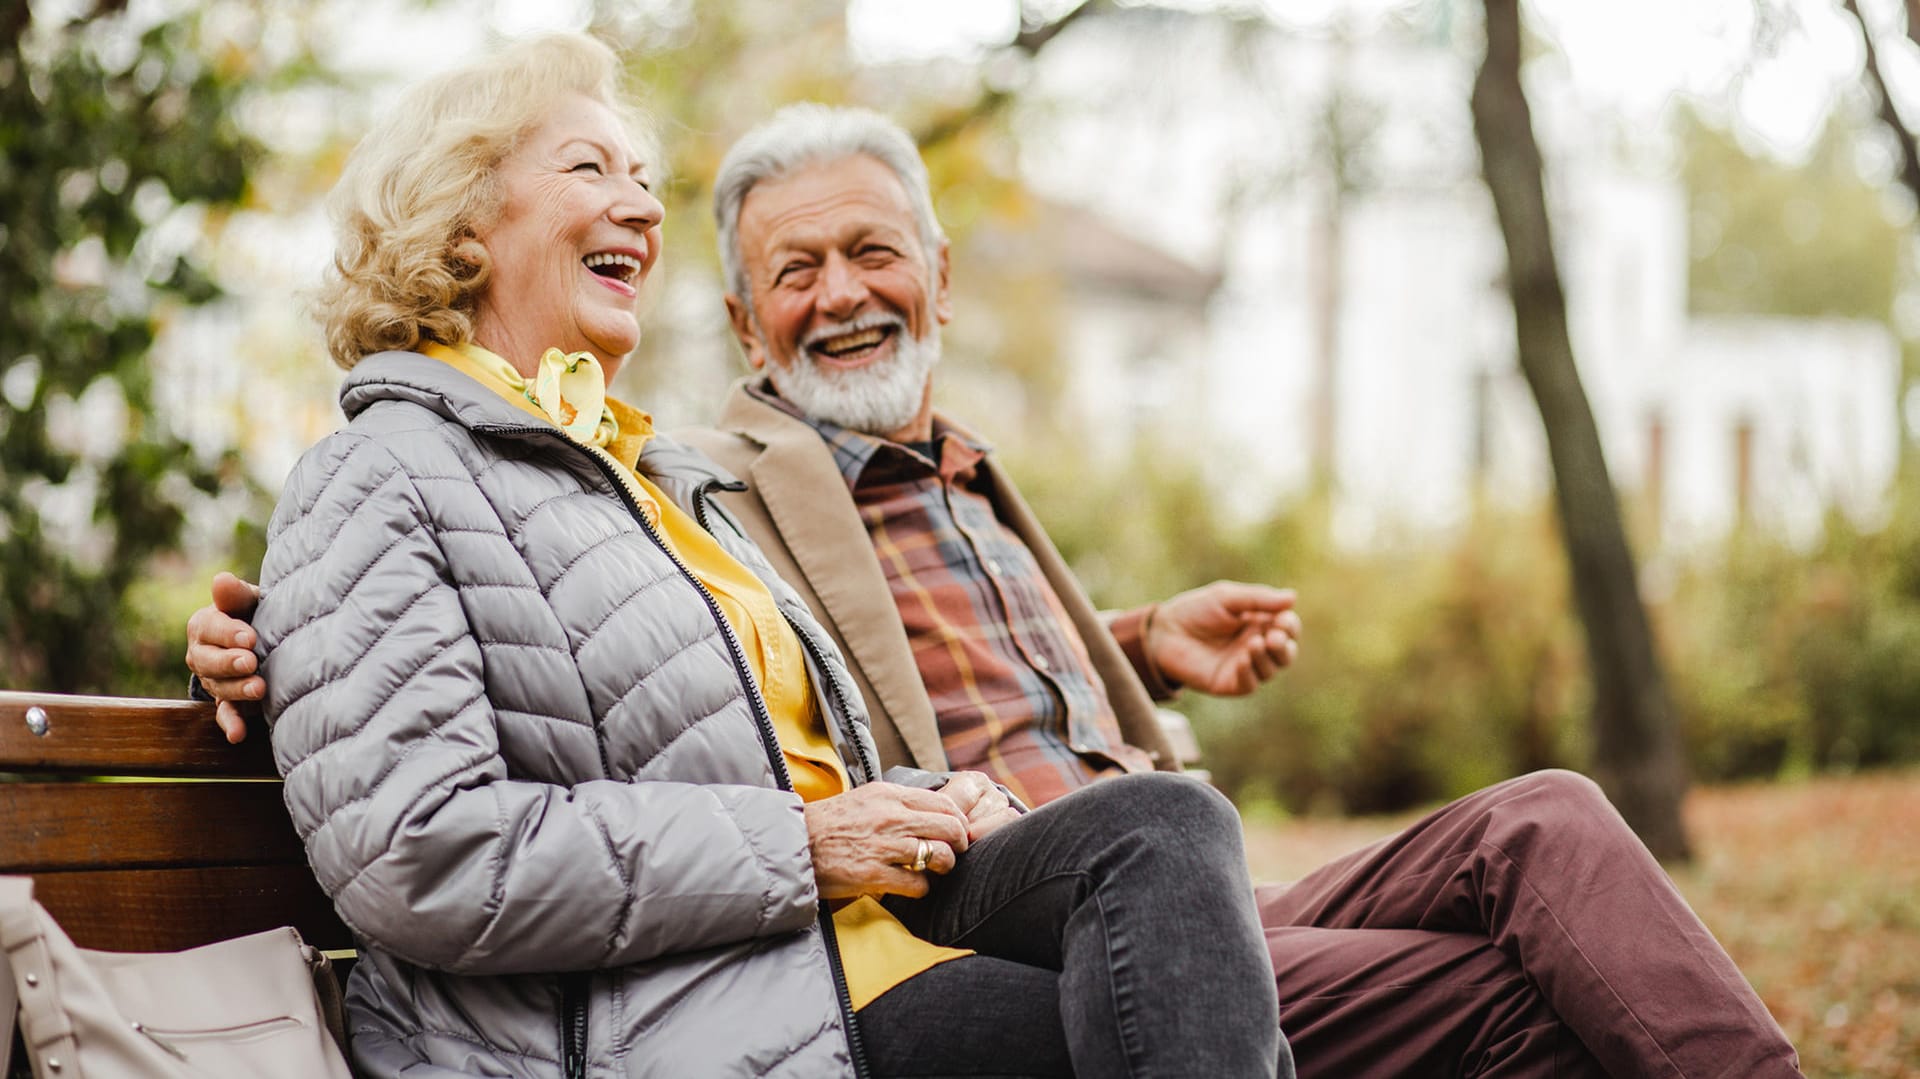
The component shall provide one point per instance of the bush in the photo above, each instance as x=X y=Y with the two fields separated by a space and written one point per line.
x=1431 y=667
x=1802 y=662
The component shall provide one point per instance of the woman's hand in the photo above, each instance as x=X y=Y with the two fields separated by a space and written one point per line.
x=981 y=799
x=865 y=841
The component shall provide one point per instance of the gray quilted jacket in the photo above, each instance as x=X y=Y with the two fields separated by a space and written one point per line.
x=527 y=759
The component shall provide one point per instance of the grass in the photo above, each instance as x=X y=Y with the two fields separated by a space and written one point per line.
x=1813 y=887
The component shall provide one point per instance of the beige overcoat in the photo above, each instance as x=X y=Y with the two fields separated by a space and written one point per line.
x=798 y=509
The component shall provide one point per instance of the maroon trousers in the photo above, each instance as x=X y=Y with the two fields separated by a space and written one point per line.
x=1520 y=931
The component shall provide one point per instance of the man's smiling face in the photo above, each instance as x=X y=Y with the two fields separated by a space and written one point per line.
x=846 y=301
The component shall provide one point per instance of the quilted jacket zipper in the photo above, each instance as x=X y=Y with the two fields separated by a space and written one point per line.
x=573 y=1024
x=576 y=1013
x=836 y=693
x=856 y=1044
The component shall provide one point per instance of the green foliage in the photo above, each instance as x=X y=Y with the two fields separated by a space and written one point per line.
x=1432 y=667
x=1799 y=660
x=1427 y=672
x=1812 y=239
x=112 y=135
x=1804 y=661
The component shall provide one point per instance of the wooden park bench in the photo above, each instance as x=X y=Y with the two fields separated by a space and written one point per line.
x=145 y=831
x=187 y=843
x=1186 y=748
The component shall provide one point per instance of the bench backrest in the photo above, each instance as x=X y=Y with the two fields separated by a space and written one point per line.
x=187 y=843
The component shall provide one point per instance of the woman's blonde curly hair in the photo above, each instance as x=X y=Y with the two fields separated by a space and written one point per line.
x=424 y=183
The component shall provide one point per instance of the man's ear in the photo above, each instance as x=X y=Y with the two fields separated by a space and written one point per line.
x=942 y=295
x=741 y=316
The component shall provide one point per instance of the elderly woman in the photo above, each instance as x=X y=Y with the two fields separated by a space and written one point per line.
x=585 y=778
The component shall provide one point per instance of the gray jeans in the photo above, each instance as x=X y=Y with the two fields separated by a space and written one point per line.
x=1118 y=937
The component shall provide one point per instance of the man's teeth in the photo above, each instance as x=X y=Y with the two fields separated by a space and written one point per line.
x=836 y=346
x=626 y=267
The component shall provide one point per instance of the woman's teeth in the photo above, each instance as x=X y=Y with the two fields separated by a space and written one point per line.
x=608 y=264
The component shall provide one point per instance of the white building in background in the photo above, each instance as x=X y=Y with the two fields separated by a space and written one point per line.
x=1133 y=319
x=1710 y=420
x=1186 y=225
x=1780 y=420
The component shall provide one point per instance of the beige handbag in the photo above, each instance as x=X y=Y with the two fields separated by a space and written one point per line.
x=251 y=1007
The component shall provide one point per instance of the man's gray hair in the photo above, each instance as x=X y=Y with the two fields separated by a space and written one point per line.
x=809 y=134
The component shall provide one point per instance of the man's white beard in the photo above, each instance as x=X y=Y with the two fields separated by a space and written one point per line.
x=878 y=399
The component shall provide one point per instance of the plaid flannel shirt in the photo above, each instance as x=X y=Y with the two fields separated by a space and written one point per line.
x=1013 y=690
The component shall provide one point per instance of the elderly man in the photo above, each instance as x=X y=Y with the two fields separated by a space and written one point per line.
x=1519 y=931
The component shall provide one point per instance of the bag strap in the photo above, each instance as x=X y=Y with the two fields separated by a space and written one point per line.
x=16 y=893
x=9 y=1012
x=24 y=939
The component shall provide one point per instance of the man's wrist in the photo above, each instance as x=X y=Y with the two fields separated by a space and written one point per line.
x=1130 y=631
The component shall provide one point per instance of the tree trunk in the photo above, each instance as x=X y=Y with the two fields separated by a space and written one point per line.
x=1909 y=175
x=1909 y=170
x=1637 y=757
x=1326 y=289
x=1033 y=37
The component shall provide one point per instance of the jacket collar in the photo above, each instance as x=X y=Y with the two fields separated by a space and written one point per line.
x=854 y=450
x=749 y=412
x=439 y=388
x=425 y=381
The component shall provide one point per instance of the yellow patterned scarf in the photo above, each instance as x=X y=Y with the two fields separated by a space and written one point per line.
x=570 y=389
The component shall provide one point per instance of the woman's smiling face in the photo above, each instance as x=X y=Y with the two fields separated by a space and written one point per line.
x=577 y=235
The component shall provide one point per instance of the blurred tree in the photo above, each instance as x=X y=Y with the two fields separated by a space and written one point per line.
x=1637 y=755
x=1035 y=33
x=1345 y=123
x=117 y=132
x=1908 y=170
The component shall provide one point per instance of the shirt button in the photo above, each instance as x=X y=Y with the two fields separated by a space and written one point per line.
x=1041 y=662
x=993 y=567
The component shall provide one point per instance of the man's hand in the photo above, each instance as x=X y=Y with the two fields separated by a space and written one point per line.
x=1224 y=638
x=220 y=652
x=982 y=801
x=864 y=841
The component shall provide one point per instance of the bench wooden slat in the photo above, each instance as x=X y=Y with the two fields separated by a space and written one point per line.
x=53 y=826
x=155 y=910
x=151 y=864
x=124 y=736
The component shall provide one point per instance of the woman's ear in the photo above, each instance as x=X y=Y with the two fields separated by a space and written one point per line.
x=468 y=257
